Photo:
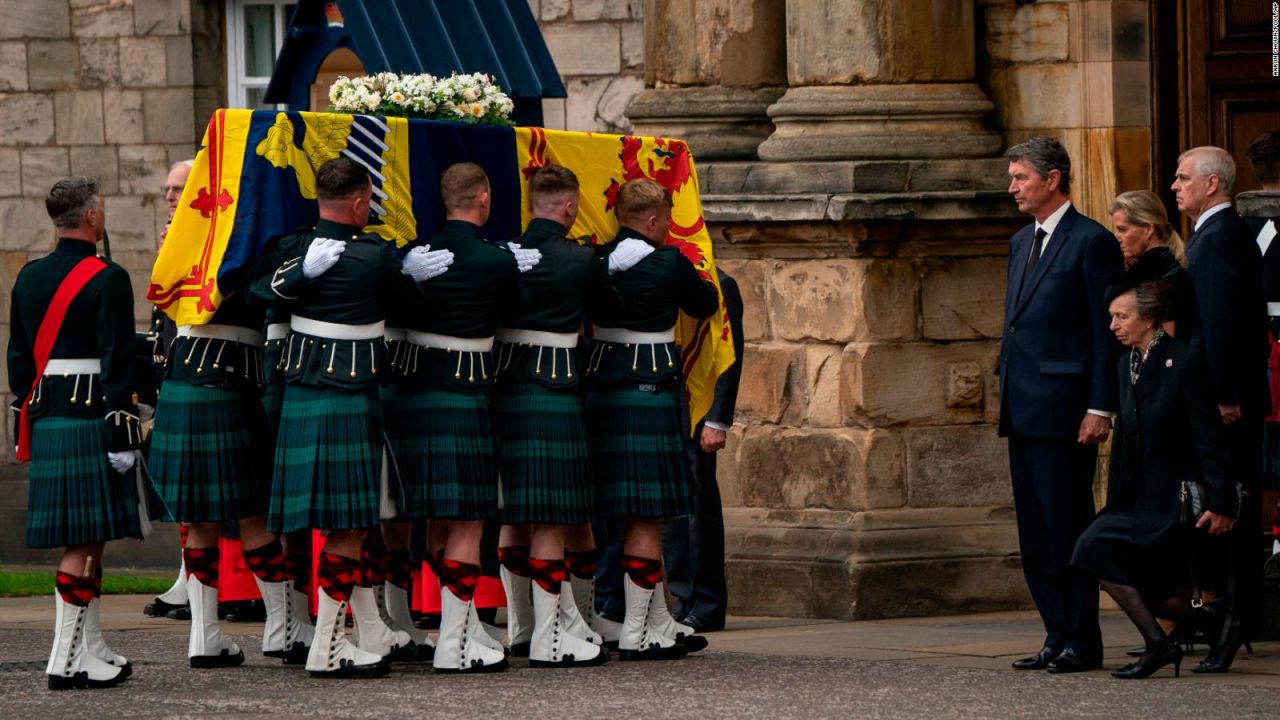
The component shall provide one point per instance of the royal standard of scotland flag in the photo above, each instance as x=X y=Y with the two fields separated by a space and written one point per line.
x=254 y=179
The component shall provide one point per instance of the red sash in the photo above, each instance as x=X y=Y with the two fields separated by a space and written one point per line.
x=71 y=286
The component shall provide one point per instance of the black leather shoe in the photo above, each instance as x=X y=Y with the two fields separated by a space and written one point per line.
x=1039 y=661
x=159 y=608
x=1152 y=660
x=243 y=611
x=1222 y=656
x=692 y=643
x=1071 y=661
x=702 y=626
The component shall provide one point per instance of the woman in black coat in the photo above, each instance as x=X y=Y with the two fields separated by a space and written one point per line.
x=1167 y=432
x=1153 y=249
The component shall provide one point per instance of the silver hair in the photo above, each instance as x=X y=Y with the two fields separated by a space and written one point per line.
x=1044 y=154
x=188 y=164
x=1210 y=160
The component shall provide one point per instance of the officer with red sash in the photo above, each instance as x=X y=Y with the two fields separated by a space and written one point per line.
x=71 y=350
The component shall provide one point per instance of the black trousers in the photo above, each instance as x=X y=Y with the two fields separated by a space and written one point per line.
x=693 y=549
x=1053 y=497
x=610 y=600
x=1244 y=451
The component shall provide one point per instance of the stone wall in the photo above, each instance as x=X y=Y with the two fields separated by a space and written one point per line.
x=598 y=47
x=87 y=87
x=1079 y=70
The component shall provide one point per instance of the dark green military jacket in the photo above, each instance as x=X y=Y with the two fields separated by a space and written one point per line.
x=482 y=284
x=554 y=294
x=360 y=289
x=98 y=324
x=468 y=301
x=216 y=362
x=651 y=294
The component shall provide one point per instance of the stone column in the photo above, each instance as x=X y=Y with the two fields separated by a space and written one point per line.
x=880 y=79
x=712 y=69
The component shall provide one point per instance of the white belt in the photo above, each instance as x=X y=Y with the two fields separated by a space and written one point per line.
x=277 y=331
x=1273 y=309
x=393 y=333
x=73 y=366
x=336 y=331
x=622 y=335
x=230 y=333
x=448 y=342
x=538 y=337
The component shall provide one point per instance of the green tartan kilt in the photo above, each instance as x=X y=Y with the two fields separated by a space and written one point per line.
x=542 y=455
x=328 y=460
x=272 y=397
x=73 y=495
x=636 y=442
x=444 y=453
x=210 y=453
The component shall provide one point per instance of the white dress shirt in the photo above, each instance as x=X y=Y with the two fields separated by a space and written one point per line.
x=1049 y=225
x=1210 y=213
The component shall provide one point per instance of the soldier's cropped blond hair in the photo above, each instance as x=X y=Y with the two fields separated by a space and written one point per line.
x=461 y=186
x=638 y=199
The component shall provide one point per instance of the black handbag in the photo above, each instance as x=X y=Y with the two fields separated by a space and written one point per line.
x=1193 y=497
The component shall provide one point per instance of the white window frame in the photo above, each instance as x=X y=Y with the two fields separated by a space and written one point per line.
x=238 y=83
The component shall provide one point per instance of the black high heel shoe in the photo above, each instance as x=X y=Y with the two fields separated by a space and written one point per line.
x=1221 y=656
x=1151 y=661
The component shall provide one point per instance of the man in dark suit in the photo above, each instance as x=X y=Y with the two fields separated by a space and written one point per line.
x=1058 y=394
x=693 y=546
x=1264 y=157
x=1225 y=268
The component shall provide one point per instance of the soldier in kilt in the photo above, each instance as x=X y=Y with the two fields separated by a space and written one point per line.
x=329 y=450
x=542 y=443
x=439 y=422
x=210 y=458
x=635 y=410
x=71 y=367
x=160 y=336
x=387 y=558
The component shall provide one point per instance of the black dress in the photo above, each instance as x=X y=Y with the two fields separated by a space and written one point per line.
x=1167 y=431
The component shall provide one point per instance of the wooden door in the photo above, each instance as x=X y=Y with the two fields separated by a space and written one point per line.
x=1213 y=79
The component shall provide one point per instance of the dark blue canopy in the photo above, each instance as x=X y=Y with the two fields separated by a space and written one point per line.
x=498 y=37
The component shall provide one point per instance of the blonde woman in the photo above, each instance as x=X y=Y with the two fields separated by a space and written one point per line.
x=1152 y=248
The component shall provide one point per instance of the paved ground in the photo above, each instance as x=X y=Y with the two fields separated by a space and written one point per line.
x=760 y=668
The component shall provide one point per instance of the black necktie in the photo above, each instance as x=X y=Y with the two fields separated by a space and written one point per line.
x=1035 y=249
x=1035 y=258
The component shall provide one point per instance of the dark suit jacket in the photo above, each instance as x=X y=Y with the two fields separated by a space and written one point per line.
x=1168 y=430
x=1226 y=273
x=726 y=393
x=1057 y=353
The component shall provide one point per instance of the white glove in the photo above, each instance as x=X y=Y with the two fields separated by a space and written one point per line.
x=322 y=254
x=627 y=254
x=422 y=263
x=525 y=259
x=121 y=462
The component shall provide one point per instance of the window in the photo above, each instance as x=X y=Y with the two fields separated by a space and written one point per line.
x=255 y=33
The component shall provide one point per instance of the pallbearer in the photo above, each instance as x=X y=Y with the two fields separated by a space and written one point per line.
x=329 y=451
x=71 y=367
x=439 y=423
x=546 y=474
x=635 y=409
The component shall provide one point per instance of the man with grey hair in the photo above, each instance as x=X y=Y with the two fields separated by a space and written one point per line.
x=71 y=367
x=1058 y=394
x=1225 y=267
